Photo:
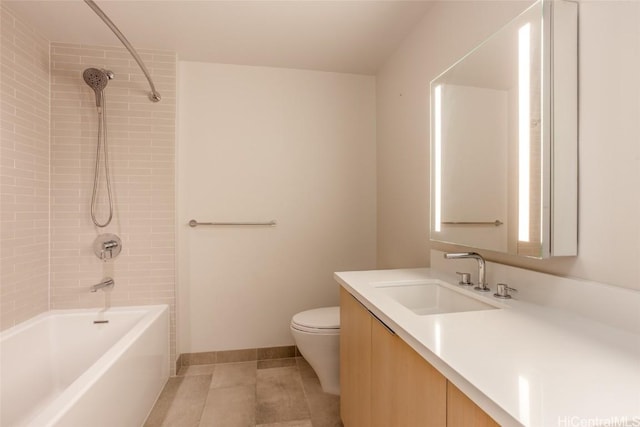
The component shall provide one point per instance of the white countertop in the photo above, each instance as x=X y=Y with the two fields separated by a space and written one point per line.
x=524 y=364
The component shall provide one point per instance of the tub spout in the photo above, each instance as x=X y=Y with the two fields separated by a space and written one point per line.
x=107 y=282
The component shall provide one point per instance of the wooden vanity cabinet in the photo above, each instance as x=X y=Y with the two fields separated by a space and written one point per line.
x=384 y=382
x=420 y=390
x=355 y=362
x=383 y=371
x=462 y=412
x=406 y=389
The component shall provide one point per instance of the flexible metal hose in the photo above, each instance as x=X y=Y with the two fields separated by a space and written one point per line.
x=102 y=143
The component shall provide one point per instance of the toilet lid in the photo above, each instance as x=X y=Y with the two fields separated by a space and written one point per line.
x=319 y=318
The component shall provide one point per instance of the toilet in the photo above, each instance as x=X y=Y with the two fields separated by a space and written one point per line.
x=317 y=335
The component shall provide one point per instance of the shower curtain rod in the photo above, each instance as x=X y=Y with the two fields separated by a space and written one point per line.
x=154 y=95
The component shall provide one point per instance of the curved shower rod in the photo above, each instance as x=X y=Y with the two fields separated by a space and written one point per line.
x=154 y=95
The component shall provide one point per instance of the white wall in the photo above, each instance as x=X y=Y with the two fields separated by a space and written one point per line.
x=257 y=144
x=609 y=151
x=448 y=31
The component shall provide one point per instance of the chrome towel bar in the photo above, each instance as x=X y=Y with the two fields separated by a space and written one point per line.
x=194 y=223
x=497 y=222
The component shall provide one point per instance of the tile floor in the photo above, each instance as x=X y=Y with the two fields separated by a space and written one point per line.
x=264 y=393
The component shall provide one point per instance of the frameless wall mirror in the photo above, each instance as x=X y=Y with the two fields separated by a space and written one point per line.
x=504 y=158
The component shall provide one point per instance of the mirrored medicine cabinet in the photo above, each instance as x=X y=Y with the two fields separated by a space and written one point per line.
x=504 y=157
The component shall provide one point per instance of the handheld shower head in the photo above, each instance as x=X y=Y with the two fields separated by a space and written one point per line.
x=97 y=80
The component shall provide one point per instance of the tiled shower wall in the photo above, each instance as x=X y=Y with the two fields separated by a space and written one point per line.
x=24 y=172
x=141 y=141
x=48 y=128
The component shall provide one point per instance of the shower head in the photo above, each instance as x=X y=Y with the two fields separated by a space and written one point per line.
x=97 y=80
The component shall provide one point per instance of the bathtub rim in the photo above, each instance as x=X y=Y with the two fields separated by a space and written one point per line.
x=62 y=403
x=17 y=328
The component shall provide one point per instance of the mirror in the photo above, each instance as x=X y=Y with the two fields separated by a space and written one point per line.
x=504 y=139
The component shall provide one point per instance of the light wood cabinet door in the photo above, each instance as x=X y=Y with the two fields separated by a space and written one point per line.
x=385 y=383
x=462 y=412
x=355 y=362
x=383 y=370
x=420 y=390
x=406 y=390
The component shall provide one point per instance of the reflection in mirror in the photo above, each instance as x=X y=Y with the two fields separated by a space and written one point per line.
x=492 y=137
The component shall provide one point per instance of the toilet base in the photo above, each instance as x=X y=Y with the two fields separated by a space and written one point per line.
x=322 y=352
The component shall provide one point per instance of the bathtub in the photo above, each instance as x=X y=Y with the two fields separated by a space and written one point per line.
x=71 y=368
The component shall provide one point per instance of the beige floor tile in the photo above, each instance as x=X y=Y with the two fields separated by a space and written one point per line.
x=230 y=407
x=327 y=422
x=280 y=396
x=234 y=374
x=299 y=423
x=276 y=352
x=283 y=393
x=276 y=363
x=324 y=407
x=306 y=371
x=204 y=358
x=181 y=402
x=190 y=370
x=231 y=356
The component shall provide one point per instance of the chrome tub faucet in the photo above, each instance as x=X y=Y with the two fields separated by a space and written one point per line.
x=107 y=282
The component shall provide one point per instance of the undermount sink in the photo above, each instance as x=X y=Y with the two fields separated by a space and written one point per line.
x=432 y=298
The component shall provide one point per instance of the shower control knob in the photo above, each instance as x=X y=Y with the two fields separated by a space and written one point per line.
x=107 y=246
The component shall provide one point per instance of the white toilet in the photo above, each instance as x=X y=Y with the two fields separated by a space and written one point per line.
x=317 y=335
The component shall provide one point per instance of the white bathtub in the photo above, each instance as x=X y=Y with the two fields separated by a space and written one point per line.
x=62 y=369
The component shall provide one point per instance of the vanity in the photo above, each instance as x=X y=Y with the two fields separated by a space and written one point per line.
x=414 y=358
x=418 y=348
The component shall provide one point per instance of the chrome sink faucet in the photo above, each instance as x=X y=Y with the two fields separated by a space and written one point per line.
x=482 y=278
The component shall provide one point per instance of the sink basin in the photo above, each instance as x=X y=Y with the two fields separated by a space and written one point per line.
x=432 y=298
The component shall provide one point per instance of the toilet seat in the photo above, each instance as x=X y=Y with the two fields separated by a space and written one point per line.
x=324 y=320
